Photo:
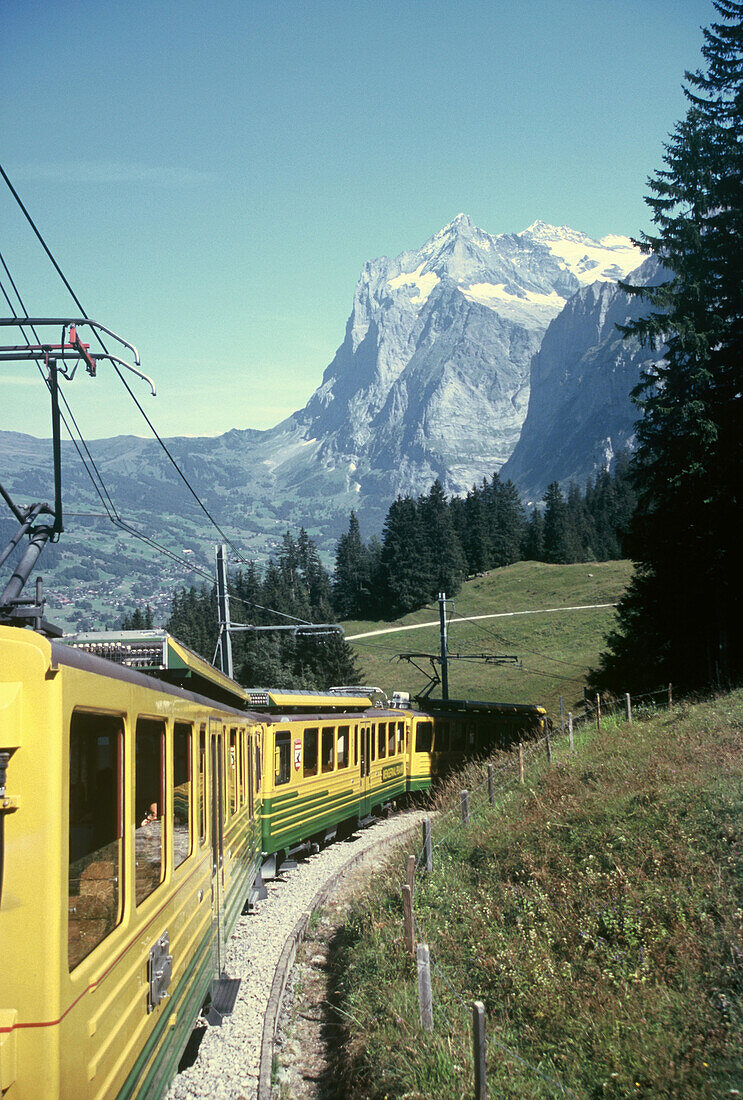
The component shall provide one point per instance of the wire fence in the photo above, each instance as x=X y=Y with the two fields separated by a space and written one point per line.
x=503 y=783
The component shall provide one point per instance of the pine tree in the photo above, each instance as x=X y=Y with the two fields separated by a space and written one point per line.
x=680 y=619
x=533 y=541
x=507 y=525
x=405 y=558
x=558 y=547
x=352 y=577
x=446 y=560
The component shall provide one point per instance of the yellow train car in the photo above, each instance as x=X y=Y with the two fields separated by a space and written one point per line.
x=130 y=841
x=336 y=760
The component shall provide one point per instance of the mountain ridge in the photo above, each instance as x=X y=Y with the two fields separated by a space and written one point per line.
x=433 y=379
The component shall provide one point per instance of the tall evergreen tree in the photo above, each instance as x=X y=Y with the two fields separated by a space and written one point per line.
x=558 y=541
x=405 y=558
x=507 y=524
x=680 y=619
x=352 y=578
x=447 y=565
x=533 y=541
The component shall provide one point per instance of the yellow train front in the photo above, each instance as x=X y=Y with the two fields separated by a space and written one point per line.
x=130 y=841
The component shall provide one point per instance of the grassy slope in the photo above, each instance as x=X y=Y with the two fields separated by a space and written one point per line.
x=598 y=913
x=555 y=649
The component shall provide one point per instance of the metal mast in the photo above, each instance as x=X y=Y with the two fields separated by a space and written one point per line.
x=223 y=607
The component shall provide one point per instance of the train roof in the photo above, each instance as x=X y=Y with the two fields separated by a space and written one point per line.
x=476 y=706
x=157 y=653
x=301 y=702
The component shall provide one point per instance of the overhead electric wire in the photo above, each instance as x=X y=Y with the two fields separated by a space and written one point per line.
x=532 y=652
x=78 y=303
x=100 y=486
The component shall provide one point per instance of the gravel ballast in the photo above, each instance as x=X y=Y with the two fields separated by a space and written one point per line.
x=228 y=1063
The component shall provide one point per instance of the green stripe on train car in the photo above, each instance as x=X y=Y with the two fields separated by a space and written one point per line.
x=186 y=1000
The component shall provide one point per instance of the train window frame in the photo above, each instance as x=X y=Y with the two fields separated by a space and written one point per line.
x=201 y=781
x=146 y=827
x=93 y=875
x=458 y=736
x=232 y=771
x=282 y=758
x=390 y=739
x=381 y=740
x=401 y=737
x=424 y=736
x=441 y=738
x=327 y=751
x=249 y=774
x=179 y=728
x=355 y=746
x=343 y=747
x=310 y=751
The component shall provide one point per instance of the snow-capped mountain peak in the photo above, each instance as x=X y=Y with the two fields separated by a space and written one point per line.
x=605 y=260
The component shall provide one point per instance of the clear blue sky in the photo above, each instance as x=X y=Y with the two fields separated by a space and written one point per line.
x=212 y=176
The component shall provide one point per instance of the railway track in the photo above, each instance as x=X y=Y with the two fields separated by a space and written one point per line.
x=234 y=1061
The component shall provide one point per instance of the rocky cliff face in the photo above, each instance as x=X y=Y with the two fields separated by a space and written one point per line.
x=580 y=412
x=432 y=379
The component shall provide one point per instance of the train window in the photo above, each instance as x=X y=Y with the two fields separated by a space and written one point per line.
x=241 y=750
x=373 y=743
x=148 y=803
x=244 y=754
x=343 y=746
x=382 y=740
x=95 y=832
x=181 y=792
x=257 y=767
x=457 y=737
x=423 y=736
x=442 y=737
x=282 y=761
x=391 y=739
x=249 y=773
x=400 y=736
x=328 y=748
x=201 y=781
x=355 y=746
x=232 y=771
x=309 y=755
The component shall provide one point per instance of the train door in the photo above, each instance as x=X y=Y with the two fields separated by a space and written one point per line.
x=365 y=758
x=217 y=793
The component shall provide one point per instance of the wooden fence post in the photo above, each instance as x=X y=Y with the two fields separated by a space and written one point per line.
x=628 y=705
x=491 y=784
x=425 y=996
x=598 y=713
x=410 y=872
x=570 y=731
x=407 y=919
x=479 y=1050
x=670 y=696
x=427 y=845
x=549 y=747
x=465 y=800
x=521 y=763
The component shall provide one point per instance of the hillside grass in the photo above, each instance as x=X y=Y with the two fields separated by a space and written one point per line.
x=597 y=912
x=555 y=649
